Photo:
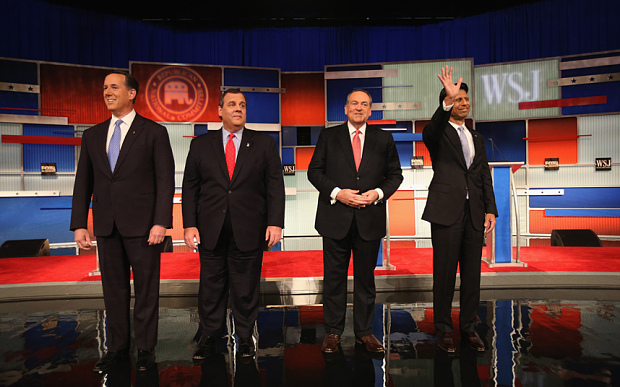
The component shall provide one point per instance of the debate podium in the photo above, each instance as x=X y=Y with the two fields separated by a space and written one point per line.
x=499 y=241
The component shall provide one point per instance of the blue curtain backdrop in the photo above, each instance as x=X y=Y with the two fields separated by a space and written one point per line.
x=36 y=30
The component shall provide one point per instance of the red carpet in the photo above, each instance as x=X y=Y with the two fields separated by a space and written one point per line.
x=284 y=264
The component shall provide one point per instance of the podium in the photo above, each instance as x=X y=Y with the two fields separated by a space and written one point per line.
x=499 y=241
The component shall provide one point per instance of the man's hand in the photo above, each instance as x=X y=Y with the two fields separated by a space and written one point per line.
x=352 y=198
x=82 y=238
x=489 y=223
x=371 y=196
x=157 y=234
x=273 y=235
x=188 y=235
x=446 y=80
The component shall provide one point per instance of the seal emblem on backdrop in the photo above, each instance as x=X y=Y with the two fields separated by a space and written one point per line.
x=177 y=94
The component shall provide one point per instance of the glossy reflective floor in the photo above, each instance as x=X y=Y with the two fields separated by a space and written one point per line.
x=564 y=341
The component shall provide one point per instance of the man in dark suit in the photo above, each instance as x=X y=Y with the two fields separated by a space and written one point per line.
x=356 y=169
x=126 y=165
x=233 y=204
x=461 y=209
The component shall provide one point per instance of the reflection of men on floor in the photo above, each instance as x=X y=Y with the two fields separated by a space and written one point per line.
x=461 y=209
x=356 y=168
x=126 y=165
x=233 y=204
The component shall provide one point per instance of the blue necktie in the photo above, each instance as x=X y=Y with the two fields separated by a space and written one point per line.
x=465 y=145
x=115 y=145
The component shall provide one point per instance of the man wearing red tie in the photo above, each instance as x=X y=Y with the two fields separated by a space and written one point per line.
x=233 y=205
x=356 y=169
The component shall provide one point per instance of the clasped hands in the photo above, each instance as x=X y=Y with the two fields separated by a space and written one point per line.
x=353 y=198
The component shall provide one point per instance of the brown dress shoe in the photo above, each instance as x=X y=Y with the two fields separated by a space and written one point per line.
x=330 y=343
x=445 y=342
x=473 y=340
x=371 y=343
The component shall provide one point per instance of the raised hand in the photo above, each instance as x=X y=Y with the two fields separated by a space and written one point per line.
x=446 y=80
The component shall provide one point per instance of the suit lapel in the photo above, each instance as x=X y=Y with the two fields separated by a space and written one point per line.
x=453 y=136
x=344 y=139
x=218 y=150
x=244 y=149
x=100 y=141
x=369 y=146
x=137 y=126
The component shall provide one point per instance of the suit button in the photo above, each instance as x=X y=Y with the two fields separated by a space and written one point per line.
x=229 y=192
x=357 y=178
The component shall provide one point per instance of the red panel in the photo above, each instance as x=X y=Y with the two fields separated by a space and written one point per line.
x=302 y=158
x=402 y=213
x=52 y=140
x=303 y=103
x=564 y=148
x=420 y=149
x=541 y=224
x=74 y=92
x=601 y=99
x=195 y=100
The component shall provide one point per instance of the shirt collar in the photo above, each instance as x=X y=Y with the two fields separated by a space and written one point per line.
x=352 y=128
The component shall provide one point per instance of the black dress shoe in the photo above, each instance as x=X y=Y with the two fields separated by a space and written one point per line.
x=473 y=340
x=445 y=342
x=206 y=348
x=246 y=348
x=110 y=359
x=146 y=360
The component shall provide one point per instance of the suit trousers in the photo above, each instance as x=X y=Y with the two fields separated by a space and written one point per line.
x=456 y=245
x=336 y=257
x=118 y=255
x=227 y=272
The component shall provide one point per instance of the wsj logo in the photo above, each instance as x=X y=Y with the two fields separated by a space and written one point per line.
x=289 y=169
x=511 y=86
x=603 y=164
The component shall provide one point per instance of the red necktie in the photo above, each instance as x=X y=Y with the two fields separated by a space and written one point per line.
x=230 y=155
x=357 y=149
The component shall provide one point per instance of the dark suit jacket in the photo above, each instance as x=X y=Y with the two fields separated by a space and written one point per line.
x=332 y=165
x=255 y=195
x=138 y=195
x=452 y=179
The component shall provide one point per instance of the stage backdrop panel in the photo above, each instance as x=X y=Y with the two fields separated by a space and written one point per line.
x=591 y=76
x=501 y=88
x=173 y=93
x=504 y=140
x=74 y=92
x=417 y=82
x=552 y=138
x=22 y=94
x=35 y=154
x=351 y=77
x=303 y=102
x=261 y=89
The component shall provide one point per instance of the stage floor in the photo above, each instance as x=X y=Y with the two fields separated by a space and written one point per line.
x=556 y=340
x=553 y=322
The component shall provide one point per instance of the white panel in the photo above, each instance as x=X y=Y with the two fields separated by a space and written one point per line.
x=500 y=89
x=604 y=140
x=10 y=154
x=61 y=183
x=421 y=85
x=180 y=138
x=11 y=182
x=299 y=214
x=573 y=176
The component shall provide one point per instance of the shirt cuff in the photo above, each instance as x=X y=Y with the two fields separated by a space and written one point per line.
x=380 y=192
x=333 y=195
x=446 y=107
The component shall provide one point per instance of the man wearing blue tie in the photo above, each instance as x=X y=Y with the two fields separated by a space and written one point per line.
x=126 y=166
x=461 y=209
